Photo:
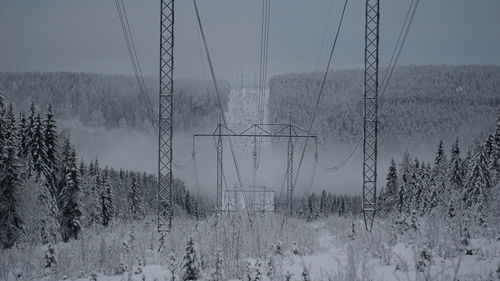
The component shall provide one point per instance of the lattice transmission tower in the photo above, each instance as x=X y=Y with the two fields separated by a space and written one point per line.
x=370 y=113
x=165 y=116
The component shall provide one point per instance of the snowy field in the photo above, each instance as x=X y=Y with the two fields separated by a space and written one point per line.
x=273 y=248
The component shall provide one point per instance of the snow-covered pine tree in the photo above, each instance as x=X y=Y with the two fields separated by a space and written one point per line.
x=107 y=207
x=405 y=193
x=30 y=125
x=92 y=189
x=82 y=169
x=50 y=137
x=190 y=269
x=70 y=193
x=456 y=172
x=440 y=171
x=488 y=145
x=391 y=189
x=417 y=187
x=467 y=162
x=23 y=140
x=428 y=187
x=10 y=182
x=37 y=148
x=478 y=185
x=135 y=200
x=3 y=138
x=440 y=159
x=495 y=159
x=10 y=126
x=322 y=203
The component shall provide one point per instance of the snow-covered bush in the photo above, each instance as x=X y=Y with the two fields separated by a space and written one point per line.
x=190 y=268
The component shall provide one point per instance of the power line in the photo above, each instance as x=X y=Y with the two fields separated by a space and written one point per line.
x=214 y=80
x=321 y=90
x=264 y=54
x=387 y=77
x=323 y=37
x=129 y=41
x=136 y=67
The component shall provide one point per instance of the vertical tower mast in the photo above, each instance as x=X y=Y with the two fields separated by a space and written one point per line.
x=218 y=207
x=165 y=116
x=289 y=172
x=370 y=112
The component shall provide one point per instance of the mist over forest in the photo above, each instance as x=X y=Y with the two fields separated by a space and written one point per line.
x=107 y=116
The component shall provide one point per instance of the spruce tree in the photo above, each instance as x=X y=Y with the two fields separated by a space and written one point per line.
x=190 y=269
x=107 y=207
x=440 y=159
x=23 y=140
x=50 y=137
x=10 y=183
x=456 y=168
x=418 y=188
x=478 y=184
x=495 y=157
x=405 y=193
x=3 y=138
x=10 y=127
x=439 y=172
x=322 y=203
x=70 y=192
x=29 y=128
x=135 y=199
x=37 y=148
x=428 y=187
x=391 y=189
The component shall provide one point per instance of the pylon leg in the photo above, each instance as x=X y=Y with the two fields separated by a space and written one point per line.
x=370 y=113
x=165 y=116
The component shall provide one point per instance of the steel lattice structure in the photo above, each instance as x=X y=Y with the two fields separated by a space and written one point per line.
x=370 y=113
x=289 y=174
x=288 y=131
x=165 y=116
x=219 y=172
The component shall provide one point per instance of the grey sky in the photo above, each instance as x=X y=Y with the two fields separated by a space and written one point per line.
x=78 y=35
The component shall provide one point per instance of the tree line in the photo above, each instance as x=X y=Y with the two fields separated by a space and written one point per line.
x=315 y=206
x=47 y=196
x=456 y=184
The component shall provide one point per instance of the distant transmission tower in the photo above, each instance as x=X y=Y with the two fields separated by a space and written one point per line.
x=370 y=113
x=165 y=116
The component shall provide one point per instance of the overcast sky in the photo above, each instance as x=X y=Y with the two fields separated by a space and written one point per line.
x=85 y=35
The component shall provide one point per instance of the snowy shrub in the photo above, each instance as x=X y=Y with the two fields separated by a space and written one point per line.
x=172 y=266
x=295 y=248
x=49 y=260
x=424 y=259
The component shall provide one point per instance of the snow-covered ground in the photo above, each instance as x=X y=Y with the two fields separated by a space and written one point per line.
x=327 y=249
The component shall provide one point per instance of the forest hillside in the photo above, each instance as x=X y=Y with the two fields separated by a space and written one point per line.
x=110 y=101
x=420 y=104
